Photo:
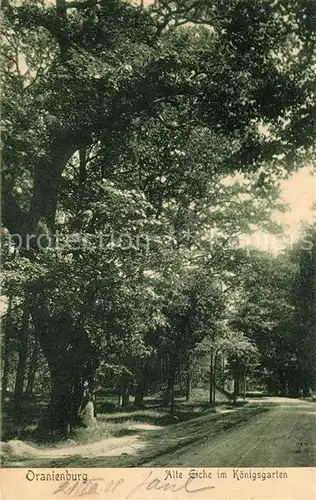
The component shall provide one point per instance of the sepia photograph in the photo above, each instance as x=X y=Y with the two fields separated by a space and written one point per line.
x=158 y=242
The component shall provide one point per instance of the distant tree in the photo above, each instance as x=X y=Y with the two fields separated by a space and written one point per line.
x=303 y=328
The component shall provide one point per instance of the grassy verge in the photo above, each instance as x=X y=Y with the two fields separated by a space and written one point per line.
x=159 y=444
x=123 y=423
x=112 y=422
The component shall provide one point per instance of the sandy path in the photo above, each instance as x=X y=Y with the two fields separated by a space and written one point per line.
x=284 y=436
x=107 y=447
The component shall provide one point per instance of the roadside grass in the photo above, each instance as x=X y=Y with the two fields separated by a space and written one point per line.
x=101 y=430
x=115 y=422
x=160 y=443
x=163 y=432
x=121 y=421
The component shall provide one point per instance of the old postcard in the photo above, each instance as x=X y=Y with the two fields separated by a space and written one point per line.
x=158 y=292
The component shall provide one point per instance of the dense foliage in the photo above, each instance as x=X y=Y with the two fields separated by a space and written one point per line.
x=139 y=143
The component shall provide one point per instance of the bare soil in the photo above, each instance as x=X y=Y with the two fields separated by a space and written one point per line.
x=266 y=432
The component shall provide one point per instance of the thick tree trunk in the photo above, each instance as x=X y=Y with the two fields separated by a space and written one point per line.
x=71 y=404
x=22 y=349
x=72 y=362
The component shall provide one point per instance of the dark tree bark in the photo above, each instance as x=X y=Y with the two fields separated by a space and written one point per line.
x=283 y=383
x=139 y=396
x=214 y=377
x=5 y=364
x=171 y=379
x=188 y=378
x=211 y=378
x=61 y=8
x=237 y=375
x=167 y=395
x=125 y=397
x=141 y=387
x=47 y=181
x=162 y=371
x=6 y=348
x=294 y=383
x=43 y=204
x=71 y=402
x=124 y=388
x=172 y=402
x=22 y=350
x=32 y=369
x=82 y=177
x=72 y=362
x=244 y=385
x=306 y=385
x=171 y=384
x=188 y=386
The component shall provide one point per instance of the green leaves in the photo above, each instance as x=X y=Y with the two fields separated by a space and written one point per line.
x=152 y=138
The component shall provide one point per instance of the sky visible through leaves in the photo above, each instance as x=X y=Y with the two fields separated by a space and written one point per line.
x=299 y=193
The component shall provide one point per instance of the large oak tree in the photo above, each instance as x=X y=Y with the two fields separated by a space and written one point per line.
x=82 y=76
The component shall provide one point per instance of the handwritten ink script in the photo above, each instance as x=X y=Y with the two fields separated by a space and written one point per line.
x=98 y=486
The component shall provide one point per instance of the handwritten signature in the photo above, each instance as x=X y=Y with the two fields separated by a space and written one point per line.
x=92 y=486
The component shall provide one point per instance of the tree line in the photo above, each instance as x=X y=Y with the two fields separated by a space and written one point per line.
x=149 y=139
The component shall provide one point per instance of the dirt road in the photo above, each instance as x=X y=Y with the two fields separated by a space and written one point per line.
x=284 y=436
x=269 y=432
